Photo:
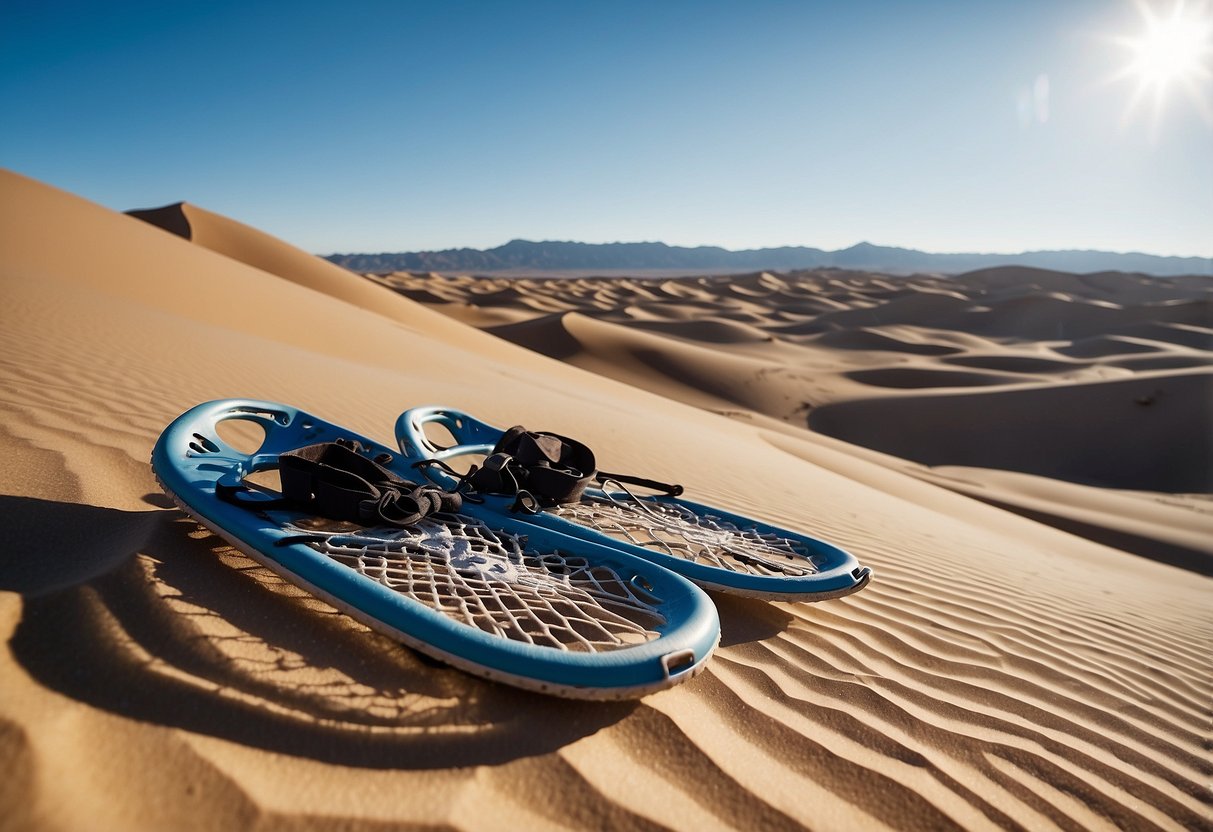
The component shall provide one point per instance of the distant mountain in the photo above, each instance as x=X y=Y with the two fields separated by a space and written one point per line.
x=526 y=256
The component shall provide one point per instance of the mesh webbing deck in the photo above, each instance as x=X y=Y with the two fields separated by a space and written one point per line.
x=492 y=581
x=700 y=538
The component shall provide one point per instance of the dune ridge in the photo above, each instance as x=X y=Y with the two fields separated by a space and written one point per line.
x=999 y=673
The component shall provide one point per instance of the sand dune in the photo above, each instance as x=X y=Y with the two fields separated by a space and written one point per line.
x=1160 y=526
x=253 y=248
x=1013 y=361
x=870 y=340
x=1119 y=434
x=1196 y=337
x=998 y=673
x=913 y=378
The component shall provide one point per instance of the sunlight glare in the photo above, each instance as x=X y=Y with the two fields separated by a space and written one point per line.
x=1170 y=48
x=1173 y=49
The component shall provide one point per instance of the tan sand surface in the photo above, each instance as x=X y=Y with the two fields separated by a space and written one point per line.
x=997 y=673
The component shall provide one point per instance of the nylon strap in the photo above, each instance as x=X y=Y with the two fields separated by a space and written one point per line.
x=334 y=480
x=546 y=468
x=673 y=489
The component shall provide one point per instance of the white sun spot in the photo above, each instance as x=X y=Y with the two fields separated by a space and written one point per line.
x=1174 y=49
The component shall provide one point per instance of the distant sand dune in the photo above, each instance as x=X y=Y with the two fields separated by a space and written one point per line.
x=1116 y=434
x=547 y=334
x=872 y=340
x=1011 y=363
x=1163 y=362
x=912 y=378
x=1103 y=346
x=709 y=330
x=1196 y=337
x=1171 y=529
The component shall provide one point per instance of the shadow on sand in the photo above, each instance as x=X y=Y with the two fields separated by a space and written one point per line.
x=145 y=616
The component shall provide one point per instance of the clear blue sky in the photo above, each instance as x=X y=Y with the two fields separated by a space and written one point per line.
x=945 y=126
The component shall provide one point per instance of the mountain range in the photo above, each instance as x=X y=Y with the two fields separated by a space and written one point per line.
x=525 y=256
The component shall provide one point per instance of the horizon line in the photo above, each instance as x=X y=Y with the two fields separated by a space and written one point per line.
x=783 y=246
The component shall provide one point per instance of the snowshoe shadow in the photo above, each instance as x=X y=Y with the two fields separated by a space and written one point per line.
x=146 y=615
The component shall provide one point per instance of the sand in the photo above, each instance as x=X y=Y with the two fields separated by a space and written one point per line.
x=1030 y=655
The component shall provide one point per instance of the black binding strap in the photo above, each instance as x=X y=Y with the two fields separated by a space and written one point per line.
x=673 y=489
x=334 y=480
x=234 y=494
x=544 y=469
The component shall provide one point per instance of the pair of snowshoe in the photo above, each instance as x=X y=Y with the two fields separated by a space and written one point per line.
x=532 y=568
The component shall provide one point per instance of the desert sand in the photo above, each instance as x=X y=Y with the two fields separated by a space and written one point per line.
x=1023 y=458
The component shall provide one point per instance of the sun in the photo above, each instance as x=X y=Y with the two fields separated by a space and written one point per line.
x=1174 y=49
x=1171 y=49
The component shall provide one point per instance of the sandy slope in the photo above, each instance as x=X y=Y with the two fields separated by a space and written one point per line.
x=998 y=673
